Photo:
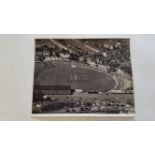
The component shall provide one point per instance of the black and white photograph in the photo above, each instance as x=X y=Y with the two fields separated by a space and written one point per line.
x=77 y=73
x=82 y=76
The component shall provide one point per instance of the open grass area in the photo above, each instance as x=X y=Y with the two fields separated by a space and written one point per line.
x=74 y=75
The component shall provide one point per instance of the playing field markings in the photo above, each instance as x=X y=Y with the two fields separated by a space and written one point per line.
x=75 y=77
x=65 y=77
x=85 y=77
x=71 y=78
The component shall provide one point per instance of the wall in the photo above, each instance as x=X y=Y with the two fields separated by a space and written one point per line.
x=17 y=67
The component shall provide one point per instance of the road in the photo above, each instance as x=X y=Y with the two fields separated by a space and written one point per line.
x=88 y=47
x=60 y=45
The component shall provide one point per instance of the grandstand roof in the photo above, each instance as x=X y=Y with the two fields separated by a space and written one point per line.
x=53 y=87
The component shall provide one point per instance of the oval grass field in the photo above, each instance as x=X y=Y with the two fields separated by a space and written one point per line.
x=77 y=77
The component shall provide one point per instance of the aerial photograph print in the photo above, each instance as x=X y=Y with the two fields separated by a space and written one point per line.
x=83 y=76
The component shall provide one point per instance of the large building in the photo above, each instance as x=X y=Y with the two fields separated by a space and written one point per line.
x=54 y=90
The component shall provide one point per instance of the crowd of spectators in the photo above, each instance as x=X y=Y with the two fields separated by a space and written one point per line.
x=82 y=106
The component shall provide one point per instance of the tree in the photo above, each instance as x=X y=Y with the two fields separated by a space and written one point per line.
x=38 y=96
x=74 y=56
x=57 y=54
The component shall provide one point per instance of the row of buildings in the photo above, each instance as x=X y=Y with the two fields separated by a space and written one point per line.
x=108 y=57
